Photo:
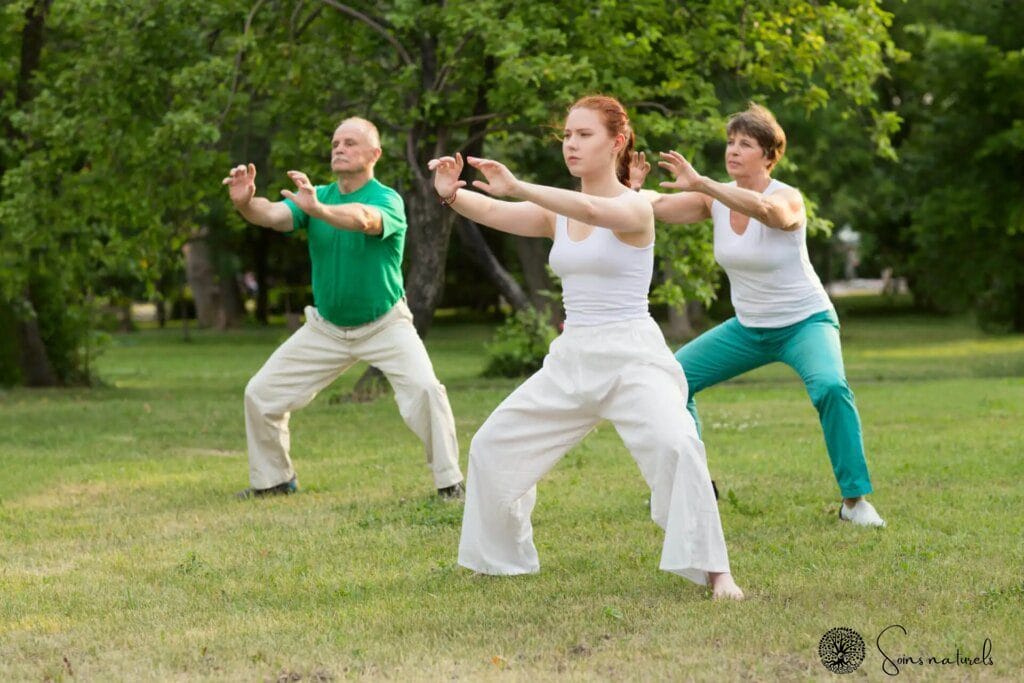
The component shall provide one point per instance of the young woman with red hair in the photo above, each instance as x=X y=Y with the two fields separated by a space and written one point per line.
x=610 y=363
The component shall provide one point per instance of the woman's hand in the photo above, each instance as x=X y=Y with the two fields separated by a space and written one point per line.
x=686 y=177
x=446 y=175
x=639 y=167
x=500 y=181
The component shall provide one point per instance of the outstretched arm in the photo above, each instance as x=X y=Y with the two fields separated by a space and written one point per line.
x=679 y=208
x=241 y=182
x=354 y=217
x=517 y=218
x=780 y=210
x=621 y=214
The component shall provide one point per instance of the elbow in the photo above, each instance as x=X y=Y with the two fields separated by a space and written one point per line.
x=767 y=214
x=369 y=222
x=773 y=217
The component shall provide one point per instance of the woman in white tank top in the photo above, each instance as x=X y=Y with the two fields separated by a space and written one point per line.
x=782 y=312
x=610 y=363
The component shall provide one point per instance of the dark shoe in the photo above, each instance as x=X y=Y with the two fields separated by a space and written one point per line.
x=714 y=488
x=453 y=492
x=284 y=489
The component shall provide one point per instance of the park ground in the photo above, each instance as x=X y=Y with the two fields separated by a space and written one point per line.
x=124 y=556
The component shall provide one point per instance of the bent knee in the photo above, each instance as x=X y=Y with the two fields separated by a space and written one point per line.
x=829 y=389
x=255 y=389
x=422 y=391
x=481 y=446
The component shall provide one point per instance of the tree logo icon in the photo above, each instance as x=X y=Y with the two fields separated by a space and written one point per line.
x=841 y=650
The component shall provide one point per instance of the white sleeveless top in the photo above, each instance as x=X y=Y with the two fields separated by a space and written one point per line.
x=604 y=280
x=772 y=281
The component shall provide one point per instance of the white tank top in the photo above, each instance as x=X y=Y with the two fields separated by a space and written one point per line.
x=604 y=280
x=770 y=275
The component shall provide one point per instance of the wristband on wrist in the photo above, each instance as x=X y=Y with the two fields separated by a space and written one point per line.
x=449 y=200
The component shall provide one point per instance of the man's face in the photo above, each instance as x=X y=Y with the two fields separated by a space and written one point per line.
x=351 y=149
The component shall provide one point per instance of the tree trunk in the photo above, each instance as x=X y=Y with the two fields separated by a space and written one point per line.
x=232 y=305
x=126 y=324
x=161 y=313
x=216 y=294
x=201 y=276
x=1018 y=308
x=533 y=258
x=370 y=386
x=480 y=253
x=260 y=250
x=685 y=322
x=36 y=368
x=430 y=227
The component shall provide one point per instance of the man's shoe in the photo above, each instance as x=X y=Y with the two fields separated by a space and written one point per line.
x=453 y=492
x=288 y=487
x=714 y=488
x=861 y=514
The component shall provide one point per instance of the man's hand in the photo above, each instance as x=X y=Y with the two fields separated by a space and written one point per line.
x=305 y=197
x=500 y=181
x=241 y=182
x=639 y=167
x=446 y=175
x=686 y=177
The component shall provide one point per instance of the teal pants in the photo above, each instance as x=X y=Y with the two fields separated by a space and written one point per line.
x=811 y=347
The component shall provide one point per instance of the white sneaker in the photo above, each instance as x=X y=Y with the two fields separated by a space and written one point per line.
x=862 y=513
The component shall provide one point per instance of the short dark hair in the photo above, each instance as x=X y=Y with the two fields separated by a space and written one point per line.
x=760 y=124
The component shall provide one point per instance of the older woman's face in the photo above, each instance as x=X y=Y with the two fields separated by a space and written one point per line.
x=744 y=156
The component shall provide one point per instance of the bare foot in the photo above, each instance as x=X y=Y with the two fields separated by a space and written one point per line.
x=723 y=587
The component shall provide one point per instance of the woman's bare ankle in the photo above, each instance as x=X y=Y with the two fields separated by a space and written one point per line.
x=723 y=586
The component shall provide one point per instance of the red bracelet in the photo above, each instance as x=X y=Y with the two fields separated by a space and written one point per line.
x=447 y=201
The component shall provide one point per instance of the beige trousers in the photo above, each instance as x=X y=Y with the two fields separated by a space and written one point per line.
x=318 y=353
x=620 y=372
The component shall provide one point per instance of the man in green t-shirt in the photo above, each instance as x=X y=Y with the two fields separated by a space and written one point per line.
x=356 y=230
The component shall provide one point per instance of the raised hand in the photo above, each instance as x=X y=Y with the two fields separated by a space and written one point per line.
x=500 y=181
x=305 y=196
x=676 y=164
x=446 y=174
x=241 y=182
x=639 y=167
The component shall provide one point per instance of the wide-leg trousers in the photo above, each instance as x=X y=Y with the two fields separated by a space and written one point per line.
x=811 y=347
x=318 y=353
x=622 y=372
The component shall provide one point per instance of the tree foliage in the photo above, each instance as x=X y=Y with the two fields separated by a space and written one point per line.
x=947 y=211
x=138 y=109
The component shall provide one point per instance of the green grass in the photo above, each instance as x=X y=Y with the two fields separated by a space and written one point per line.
x=124 y=557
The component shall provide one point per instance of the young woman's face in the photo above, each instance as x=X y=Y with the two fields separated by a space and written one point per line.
x=744 y=156
x=587 y=146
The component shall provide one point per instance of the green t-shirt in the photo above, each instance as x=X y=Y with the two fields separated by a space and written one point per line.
x=357 y=278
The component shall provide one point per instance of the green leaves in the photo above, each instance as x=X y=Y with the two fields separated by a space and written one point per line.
x=139 y=109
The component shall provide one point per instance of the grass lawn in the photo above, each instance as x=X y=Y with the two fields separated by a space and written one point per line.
x=123 y=555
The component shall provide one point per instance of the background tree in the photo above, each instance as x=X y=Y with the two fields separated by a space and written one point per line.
x=138 y=109
x=961 y=164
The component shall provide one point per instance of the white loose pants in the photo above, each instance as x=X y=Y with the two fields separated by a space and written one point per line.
x=318 y=353
x=622 y=372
